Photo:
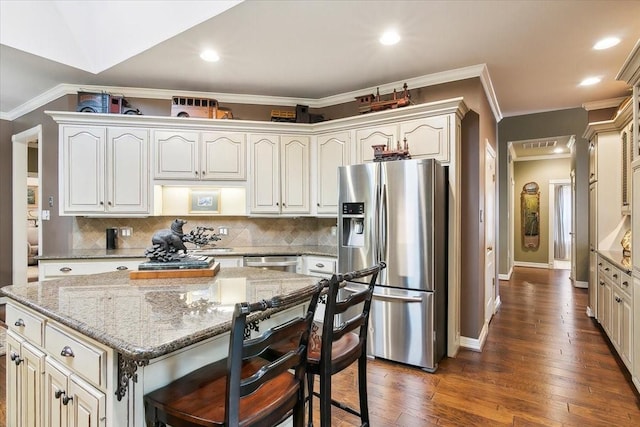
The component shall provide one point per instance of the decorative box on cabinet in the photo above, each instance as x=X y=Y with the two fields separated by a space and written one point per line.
x=104 y=170
x=332 y=152
x=280 y=174
x=193 y=155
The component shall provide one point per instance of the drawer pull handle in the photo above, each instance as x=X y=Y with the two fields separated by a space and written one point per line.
x=65 y=269
x=319 y=265
x=19 y=323
x=122 y=267
x=66 y=399
x=16 y=358
x=67 y=352
x=625 y=284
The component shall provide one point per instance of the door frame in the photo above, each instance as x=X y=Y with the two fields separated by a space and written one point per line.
x=19 y=200
x=553 y=183
x=490 y=227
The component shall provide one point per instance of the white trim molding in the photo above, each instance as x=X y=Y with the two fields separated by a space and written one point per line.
x=506 y=276
x=476 y=344
x=531 y=264
x=458 y=74
x=580 y=284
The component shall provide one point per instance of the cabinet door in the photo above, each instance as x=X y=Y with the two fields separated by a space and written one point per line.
x=82 y=169
x=635 y=219
x=55 y=389
x=627 y=153
x=427 y=138
x=176 y=155
x=223 y=156
x=127 y=170
x=626 y=329
x=333 y=152
x=14 y=385
x=88 y=406
x=593 y=161
x=294 y=184
x=32 y=368
x=607 y=307
x=265 y=174
x=367 y=138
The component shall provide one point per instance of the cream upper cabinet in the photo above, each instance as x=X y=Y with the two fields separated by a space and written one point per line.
x=368 y=137
x=193 y=155
x=104 y=170
x=223 y=156
x=626 y=141
x=280 y=174
x=332 y=152
x=176 y=154
x=427 y=138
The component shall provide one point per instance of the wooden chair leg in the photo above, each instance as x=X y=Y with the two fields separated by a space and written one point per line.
x=362 y=389
x=325 y=400
x=310 y=398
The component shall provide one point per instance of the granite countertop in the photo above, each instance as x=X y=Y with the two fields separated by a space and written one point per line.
x=147 y=318
x=235 y=251
x=617 y=259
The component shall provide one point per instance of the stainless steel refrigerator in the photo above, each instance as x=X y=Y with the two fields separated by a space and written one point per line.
x=396 y=212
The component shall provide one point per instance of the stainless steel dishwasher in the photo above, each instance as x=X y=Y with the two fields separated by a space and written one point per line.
x=280 y=263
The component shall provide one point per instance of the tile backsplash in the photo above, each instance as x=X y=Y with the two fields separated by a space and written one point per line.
x=89 y=233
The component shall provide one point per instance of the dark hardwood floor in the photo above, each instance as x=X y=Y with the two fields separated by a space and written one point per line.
x=545 y=363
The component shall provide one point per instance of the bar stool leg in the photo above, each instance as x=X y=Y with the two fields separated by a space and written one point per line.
x=310 y=399
x=362 y=389
x=325 y=399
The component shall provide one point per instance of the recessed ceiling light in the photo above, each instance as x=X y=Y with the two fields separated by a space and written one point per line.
x=606 y=43
x=558 y=150
x=389 y=38
x=210 y=56
x=590 y=81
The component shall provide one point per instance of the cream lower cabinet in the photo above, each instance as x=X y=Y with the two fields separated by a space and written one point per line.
x=104 y=170
x=605 y=296
x=622 y=316
x=280 y=182
x=194 y=155
x=51 y=269
x=25 y=364
x=69 y=400
x=332 y=152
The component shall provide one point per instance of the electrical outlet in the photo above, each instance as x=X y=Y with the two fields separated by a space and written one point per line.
x=45 y=215
x=223 y=231
x=126 y=231
x=334 y=231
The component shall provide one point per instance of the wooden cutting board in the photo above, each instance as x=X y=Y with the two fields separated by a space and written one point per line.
x=176 y=273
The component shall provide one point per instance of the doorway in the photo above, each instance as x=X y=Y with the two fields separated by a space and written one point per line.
x=490 y=231
x=26 y=202
x=560 y=224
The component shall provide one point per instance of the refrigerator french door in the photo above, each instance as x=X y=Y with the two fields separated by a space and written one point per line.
x=396 y=212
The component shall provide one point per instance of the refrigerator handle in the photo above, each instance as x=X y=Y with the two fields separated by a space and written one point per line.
x=376 y=222
x=383 y=224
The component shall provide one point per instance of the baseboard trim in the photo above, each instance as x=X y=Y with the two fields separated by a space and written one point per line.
x=636 y=382
x=531 y=264
x=497 y=304
x=590 y=312
x=506 y=276
x=580 y=284
x=475 y=344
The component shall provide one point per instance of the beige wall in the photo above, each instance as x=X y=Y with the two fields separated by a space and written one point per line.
x=6 y=215
x=541 y=172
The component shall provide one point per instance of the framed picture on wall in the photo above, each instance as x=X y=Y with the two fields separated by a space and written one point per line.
x=32 y=196
x=204 y=201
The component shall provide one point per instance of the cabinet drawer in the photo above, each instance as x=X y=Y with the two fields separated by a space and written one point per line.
x=626 y=283
x=609 y=271
x=79 y=356
x=320 y=266
x=25 y=323
x=89 y=266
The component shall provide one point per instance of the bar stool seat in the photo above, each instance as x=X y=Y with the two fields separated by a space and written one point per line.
x=342 y=350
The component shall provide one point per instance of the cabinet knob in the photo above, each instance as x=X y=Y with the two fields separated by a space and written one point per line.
x=101 y=203
x=601 y=283
x=615 y=275
x=196 y=172
x=66 y=399
x=19 y=323
x=15 y=357
x=606 y=269
x=65 y=269
x=67 y=352
x=204 y=173
x=618 y=300
x=122 y=267
x=58 y=393
x=109 y=203
x=625 y=284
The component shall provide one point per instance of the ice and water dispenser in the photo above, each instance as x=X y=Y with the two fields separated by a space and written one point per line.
x=353 y=224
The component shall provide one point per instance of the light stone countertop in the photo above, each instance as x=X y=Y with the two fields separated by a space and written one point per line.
x=617 y=259
x=234 y=251
x=146 y=318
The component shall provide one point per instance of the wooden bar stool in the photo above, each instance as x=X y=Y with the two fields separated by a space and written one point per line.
x=340 y=345
x=244 y=389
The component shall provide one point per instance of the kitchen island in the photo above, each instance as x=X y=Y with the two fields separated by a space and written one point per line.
x=85 y=349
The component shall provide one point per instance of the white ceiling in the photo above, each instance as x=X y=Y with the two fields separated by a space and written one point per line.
x=536 y=52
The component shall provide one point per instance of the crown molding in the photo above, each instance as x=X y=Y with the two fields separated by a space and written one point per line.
x=630 y=71
x=605 y=103
x=479 y=71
